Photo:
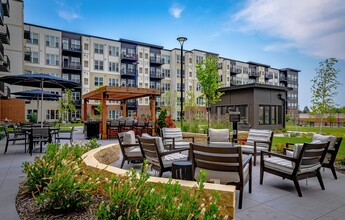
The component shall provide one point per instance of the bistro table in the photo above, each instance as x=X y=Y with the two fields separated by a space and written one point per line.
x=41 y=138
x=182 y=170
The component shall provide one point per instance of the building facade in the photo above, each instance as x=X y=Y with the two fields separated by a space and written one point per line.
x=94 y=61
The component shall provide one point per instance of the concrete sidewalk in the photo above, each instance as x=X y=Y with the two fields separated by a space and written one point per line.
x=275 y=199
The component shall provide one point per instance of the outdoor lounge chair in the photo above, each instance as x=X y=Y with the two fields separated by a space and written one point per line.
x=130 y=148
x=304 y=162
x=174 y=136
x=14 y=136
x=257 y=141
x=332 y=150
x=157 y=156
x=224 y=164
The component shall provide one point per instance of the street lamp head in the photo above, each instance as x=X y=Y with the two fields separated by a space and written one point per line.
x=181 y=40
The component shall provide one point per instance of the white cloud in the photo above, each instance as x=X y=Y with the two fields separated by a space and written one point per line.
x=68 y=15
x=66 y=11
x=175 y=11
x=313 y=27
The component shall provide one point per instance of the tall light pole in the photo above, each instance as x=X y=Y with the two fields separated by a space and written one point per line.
x=181 y=40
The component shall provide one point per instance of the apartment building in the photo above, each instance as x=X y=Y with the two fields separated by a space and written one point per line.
x=94 y=61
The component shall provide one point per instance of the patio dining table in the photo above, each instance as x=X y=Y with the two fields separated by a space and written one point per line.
x=29 y=132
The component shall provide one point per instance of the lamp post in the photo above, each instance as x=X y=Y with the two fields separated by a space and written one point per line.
x=181 y=40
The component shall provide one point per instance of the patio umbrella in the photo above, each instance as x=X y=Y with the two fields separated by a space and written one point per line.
x=35 y=94
x=39 y=80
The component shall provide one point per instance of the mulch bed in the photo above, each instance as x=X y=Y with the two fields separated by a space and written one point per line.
x=28 y=209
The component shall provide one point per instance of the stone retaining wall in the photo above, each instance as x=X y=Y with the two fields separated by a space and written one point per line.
x=101 y=157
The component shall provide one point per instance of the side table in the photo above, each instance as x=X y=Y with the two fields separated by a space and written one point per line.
x=182 y=170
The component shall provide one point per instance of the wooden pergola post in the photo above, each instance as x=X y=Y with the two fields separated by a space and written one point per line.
x=153 y=107
x=85 y=109
x=124 y=108
x=104 y=116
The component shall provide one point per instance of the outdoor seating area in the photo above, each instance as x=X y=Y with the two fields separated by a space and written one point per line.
x=122 y=125
x=226 y=163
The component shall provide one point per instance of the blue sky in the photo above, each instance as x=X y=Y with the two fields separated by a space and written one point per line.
x=281 y=33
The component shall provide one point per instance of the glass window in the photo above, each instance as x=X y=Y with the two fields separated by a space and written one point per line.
x=33 y=38
x=114 y=51
x=98 y=81
x=261 y=115
x=52 y=41
x=34 y=57
x=30 y=111
x=114 y=82
x=98 y=48
x=52 y=59
x=75 y=96
x=113 y=67
x=75 y=78
x=98 y=65
x=75 y=44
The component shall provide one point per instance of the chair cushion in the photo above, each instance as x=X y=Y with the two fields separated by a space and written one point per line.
x=181 y=144
x=172 y=133
x=221 y=144
x=135 y=152
x=285 y=166
x=224 y=177
x=169 y=159
x=128 y=138
x=250 y=148
x=159 y=141
x=218 y=135
x=318 y=138
x=258 y=135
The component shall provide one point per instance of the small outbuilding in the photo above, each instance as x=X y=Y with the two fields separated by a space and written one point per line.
x=261 y=106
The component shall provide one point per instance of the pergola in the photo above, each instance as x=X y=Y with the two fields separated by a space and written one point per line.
x=118 y=93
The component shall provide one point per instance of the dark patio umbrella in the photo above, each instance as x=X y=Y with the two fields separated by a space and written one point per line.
x=35 y=94
x=39 y=80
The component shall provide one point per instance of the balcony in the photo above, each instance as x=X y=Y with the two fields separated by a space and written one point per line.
x=157 y=61
x=268 y=76
x=125 y=72
x=129 y=57
x=220 y=66
x=253 y=74
x=70 y=49
x=154 y=75
x=5 y=65
x=71 y=66
x=235 y=70
x=27 y=54
x=282 y=79
x=6 y=8
x=5 y=91
x=5 y=34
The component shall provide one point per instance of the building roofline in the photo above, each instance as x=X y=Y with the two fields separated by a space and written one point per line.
x=285 y=69
x=259 y=64
x=254 y=85
x=140 y=43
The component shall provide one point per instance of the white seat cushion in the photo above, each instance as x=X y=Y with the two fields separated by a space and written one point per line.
x=258 y=135
x=135 y=152
x=218 y=135
x=285 y=166
x=318 y=138
x=181 y=144
x=159 y=141
x=169 y=159
x=128 y=138
x=224 y=177
x=250 y=148
x=175 y=133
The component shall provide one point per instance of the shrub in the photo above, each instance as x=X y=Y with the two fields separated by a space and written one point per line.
x=161 y=119
x=279 y=148
x=169 y=121
x=341 y=161
x=131 y=197
x=294 y=134
x=58 y=180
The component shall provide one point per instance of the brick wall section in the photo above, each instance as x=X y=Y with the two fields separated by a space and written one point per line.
x=12 y=109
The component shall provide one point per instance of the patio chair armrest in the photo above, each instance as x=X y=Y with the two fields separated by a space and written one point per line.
x=262 y=142
x=287 y=149
x=278 y=155
x=189 y=137
x=174 y=151
x=168 y=146
x=247 y=159
x=130 y=145
x=287 y=144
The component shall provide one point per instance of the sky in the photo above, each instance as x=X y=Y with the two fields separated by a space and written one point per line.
x=295 y=34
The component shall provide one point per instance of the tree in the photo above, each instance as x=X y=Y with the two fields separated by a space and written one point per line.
x=325 y=84
x=306 y=109
x=207 y=74
x=66 y=105
x=190 y=105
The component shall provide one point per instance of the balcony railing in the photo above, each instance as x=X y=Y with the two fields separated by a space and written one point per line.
x=282 y=79
x=130 y=57
x=125 y=72
x=6 y=8
x=155 y=60
x=268 y=76
x=5 y=36
x=71 y=66
x=156 y=75
x=71 y=48
x=235 y=70
x=253 y=74
x=27 y=54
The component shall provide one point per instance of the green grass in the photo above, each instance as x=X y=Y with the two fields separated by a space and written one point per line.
x=338 y=132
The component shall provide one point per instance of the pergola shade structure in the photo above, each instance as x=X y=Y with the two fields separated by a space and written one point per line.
x=118 y=93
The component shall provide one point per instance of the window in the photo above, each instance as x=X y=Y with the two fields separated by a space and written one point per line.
x=75 y=62
x=98 y=48
x=86 y=81
x=114 y=82
x=166 y=73
x=141 y=55
x=114 y=114
x=178 y=58
x=86 y=63
x=75 y=78
x=52 y=41
x=199 y=59
x=270 y=114
x=52 y=114
x=199 y=101
x=146 y=55
x=30 y=111
x=198 y=87
x=113 y=51
x=75 y=96
x=178 y=73
x=98 y=65
x=34 y=57
x=86 y=46
x=98 y=81
x=131 y=52
x=52 y=59
x=166 y=59
x=75 y=44
x=33 y=39
x=75 y=114
x=113 y=67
